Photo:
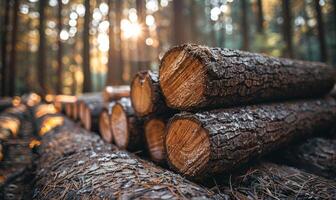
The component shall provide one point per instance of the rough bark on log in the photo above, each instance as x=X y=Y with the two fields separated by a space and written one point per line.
x=223 y=139
x=154 y=129
x=272 y=181
x=86 y=168
x=146 y=94
x=193 y=76
x=113 y=93
x=316 y=155
x=105 y=128
x=127 y=128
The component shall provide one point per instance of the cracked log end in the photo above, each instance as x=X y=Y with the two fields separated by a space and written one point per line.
x=104 y=126
x=142 y=94
x=182 y=73
x=119 y=123
x=154 y=133
x=188 y=146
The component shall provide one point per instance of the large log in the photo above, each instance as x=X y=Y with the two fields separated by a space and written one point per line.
x=155 y=133
x=223 y=139
x=127 y=128
x=316 y=155
x=272 y=181
x=113 y=93
x=75 y=164
x=193 y=76
x=105 y=127
x=146 y=94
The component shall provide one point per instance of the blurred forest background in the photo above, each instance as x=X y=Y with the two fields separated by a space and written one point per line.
x=75 y=46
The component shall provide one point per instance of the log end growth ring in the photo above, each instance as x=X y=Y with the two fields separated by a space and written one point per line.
x=142 y=94
x=119 y=124
x=104 y=127
x=188 y=146
x=182 y=79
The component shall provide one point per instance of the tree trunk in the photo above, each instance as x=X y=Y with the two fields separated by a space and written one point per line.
x=321 y=33
x=105 y=127
x=260 y=17
x=287 y=28
x=155 y=133
x=146 y=95
x=41 y=60
x=271 y=181
x=245 y=25
x=87 y=84
x=179 y=32
x=316 y=155
x=12 y=59
x=112 y=93
x=115 y=174
x=221 y=77
x=127 y=129
x=221 y=140
x=4 y=69
x=59 y=86
x=142 y=49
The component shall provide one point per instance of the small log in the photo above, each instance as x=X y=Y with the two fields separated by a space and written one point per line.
x=115 y=174
x=31 y=99
x=68 y=109
x=113 y=93
x=223 y=139
x=193 y=77
x=91 y=115
x=272 y=181
x=61 y=100
x=84 y=97
x=48 y=122
x=44 y=109
x=82 y=106
x=146 y=94
x=127 y=128
x=105 y=128
x=9 y=125
x=316 y=155
x=5 y=103
x=155 y=133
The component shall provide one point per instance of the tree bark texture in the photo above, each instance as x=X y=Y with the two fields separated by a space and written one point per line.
x=12 y=59
x=4 y=69
x=272 y=181
x=42 y=50
x=223 y=139
x=287 y=28
x=87 y=84
x=69 y=155
x=193 y=77
x=316 y=155
x=146 y=95
x=321 y=32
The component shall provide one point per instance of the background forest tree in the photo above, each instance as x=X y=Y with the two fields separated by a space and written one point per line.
x=74 y=46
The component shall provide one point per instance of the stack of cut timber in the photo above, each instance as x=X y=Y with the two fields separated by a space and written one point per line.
x=276 y=101
x=109 y=173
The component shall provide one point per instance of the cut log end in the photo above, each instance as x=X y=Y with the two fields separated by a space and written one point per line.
x=104 y=127
x=154 y=133
x=188 y=146
x=182 y=73
x=119 y=126
x=142 y=94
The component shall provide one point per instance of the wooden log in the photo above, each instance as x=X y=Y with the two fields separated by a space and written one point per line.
x=61 y=100
x=113 y=93
x=5 y=103
x=44 y=109
x=272 y=181
x=316 y=155
x=115 y=174
x=155 y=133
x=31 y=99
x=105 y=127
x=84 y=97
x=9 y=125
x=193 y=76
x=83 y=103
x=68 y=109
x=91 y=115
x=49 y=122
x=127 y=128
x=146 y=94
x=223 y=139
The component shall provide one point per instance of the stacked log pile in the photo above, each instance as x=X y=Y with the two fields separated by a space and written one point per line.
x=210 y=111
